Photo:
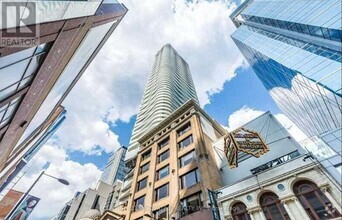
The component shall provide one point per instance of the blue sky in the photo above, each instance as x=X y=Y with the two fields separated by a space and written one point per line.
x=245 y=89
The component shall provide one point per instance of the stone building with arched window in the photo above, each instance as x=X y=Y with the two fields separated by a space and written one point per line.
x=285 y=183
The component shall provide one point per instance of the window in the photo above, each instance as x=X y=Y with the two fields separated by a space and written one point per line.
x=190 y=179
x=239 y=212
x=142 y=184
x=163 y=172
x=161 y=214
x=190 y=205
x=146 y=155
x=144 y=168
x=272 y=207
x=17 y=69
x=139 y=203
x=163 y=156
x=163 y=143
x=185 y=142
x=184 y=129
x=315 y=203
x=162 y=192
x=187 y=158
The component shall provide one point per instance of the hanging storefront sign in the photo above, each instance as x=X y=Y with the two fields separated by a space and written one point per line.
x=243 y=140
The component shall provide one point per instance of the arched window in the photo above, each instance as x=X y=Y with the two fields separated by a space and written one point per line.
x=315 y=203
x=239 y=212
x=272 y=207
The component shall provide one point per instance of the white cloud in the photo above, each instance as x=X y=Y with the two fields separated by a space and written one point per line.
x=112 y=87
x=246 y=114
x=242 y=116
x=52 y=193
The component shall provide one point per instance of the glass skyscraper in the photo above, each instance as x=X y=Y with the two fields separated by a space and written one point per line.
x=169 y=86
x=115 y=167
x=294 y=47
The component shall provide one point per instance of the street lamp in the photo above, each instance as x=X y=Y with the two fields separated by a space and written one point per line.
x=63 y=181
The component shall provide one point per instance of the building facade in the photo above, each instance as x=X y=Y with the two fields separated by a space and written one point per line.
x=93 y=199
x=294 y=47
x=115 y=167
x=35 y=78
x=169 y=86
x=295 y=189
x=175 y=167
x=284 y=183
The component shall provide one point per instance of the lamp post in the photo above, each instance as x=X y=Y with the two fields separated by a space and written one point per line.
x=63 y=181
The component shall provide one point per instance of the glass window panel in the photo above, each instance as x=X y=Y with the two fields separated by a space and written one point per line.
x=186 y=142
x=142 y=184
x=139 y=203
x=12 y=74
x=164 y=143
x=146 y=155
x=41 y=48
x=2 y=113
x=25 y=82
x=144 y=168
x=163 y=172
x=191 y=204
x=316 y=204
x=163 y=156
x=4 y=122
x=187 y=158
x=15 y=57
x=184 y=129
x=7 y=92
x=190 y=179
x=162 y=192
x=10 y=110
x=161 y=214
x=31 y=69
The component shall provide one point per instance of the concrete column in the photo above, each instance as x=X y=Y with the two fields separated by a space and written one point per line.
x=288 y=210
x=325 y=190
x=173 y=172
x=256 y=213
x=301 y=209
x=262 y=214
x=251 y=216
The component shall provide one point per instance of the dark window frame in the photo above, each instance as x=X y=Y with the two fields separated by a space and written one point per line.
x=141 y=171
x=135 y=203
x=139 y=184
x=158 y=172
x=180 y=147
x=157 y=193
x=160 y=156
x=181 y=164
x=183 y=178
x=184 y=129
x=146 y=154
x=165 y=142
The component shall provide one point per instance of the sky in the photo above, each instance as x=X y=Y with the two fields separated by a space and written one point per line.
x=226 y=86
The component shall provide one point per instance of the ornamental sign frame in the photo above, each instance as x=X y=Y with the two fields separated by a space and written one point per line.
x=243 y=140
x=231 y=151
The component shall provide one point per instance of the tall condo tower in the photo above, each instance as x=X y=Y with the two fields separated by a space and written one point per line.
x=169 y=86
x=294 y=47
